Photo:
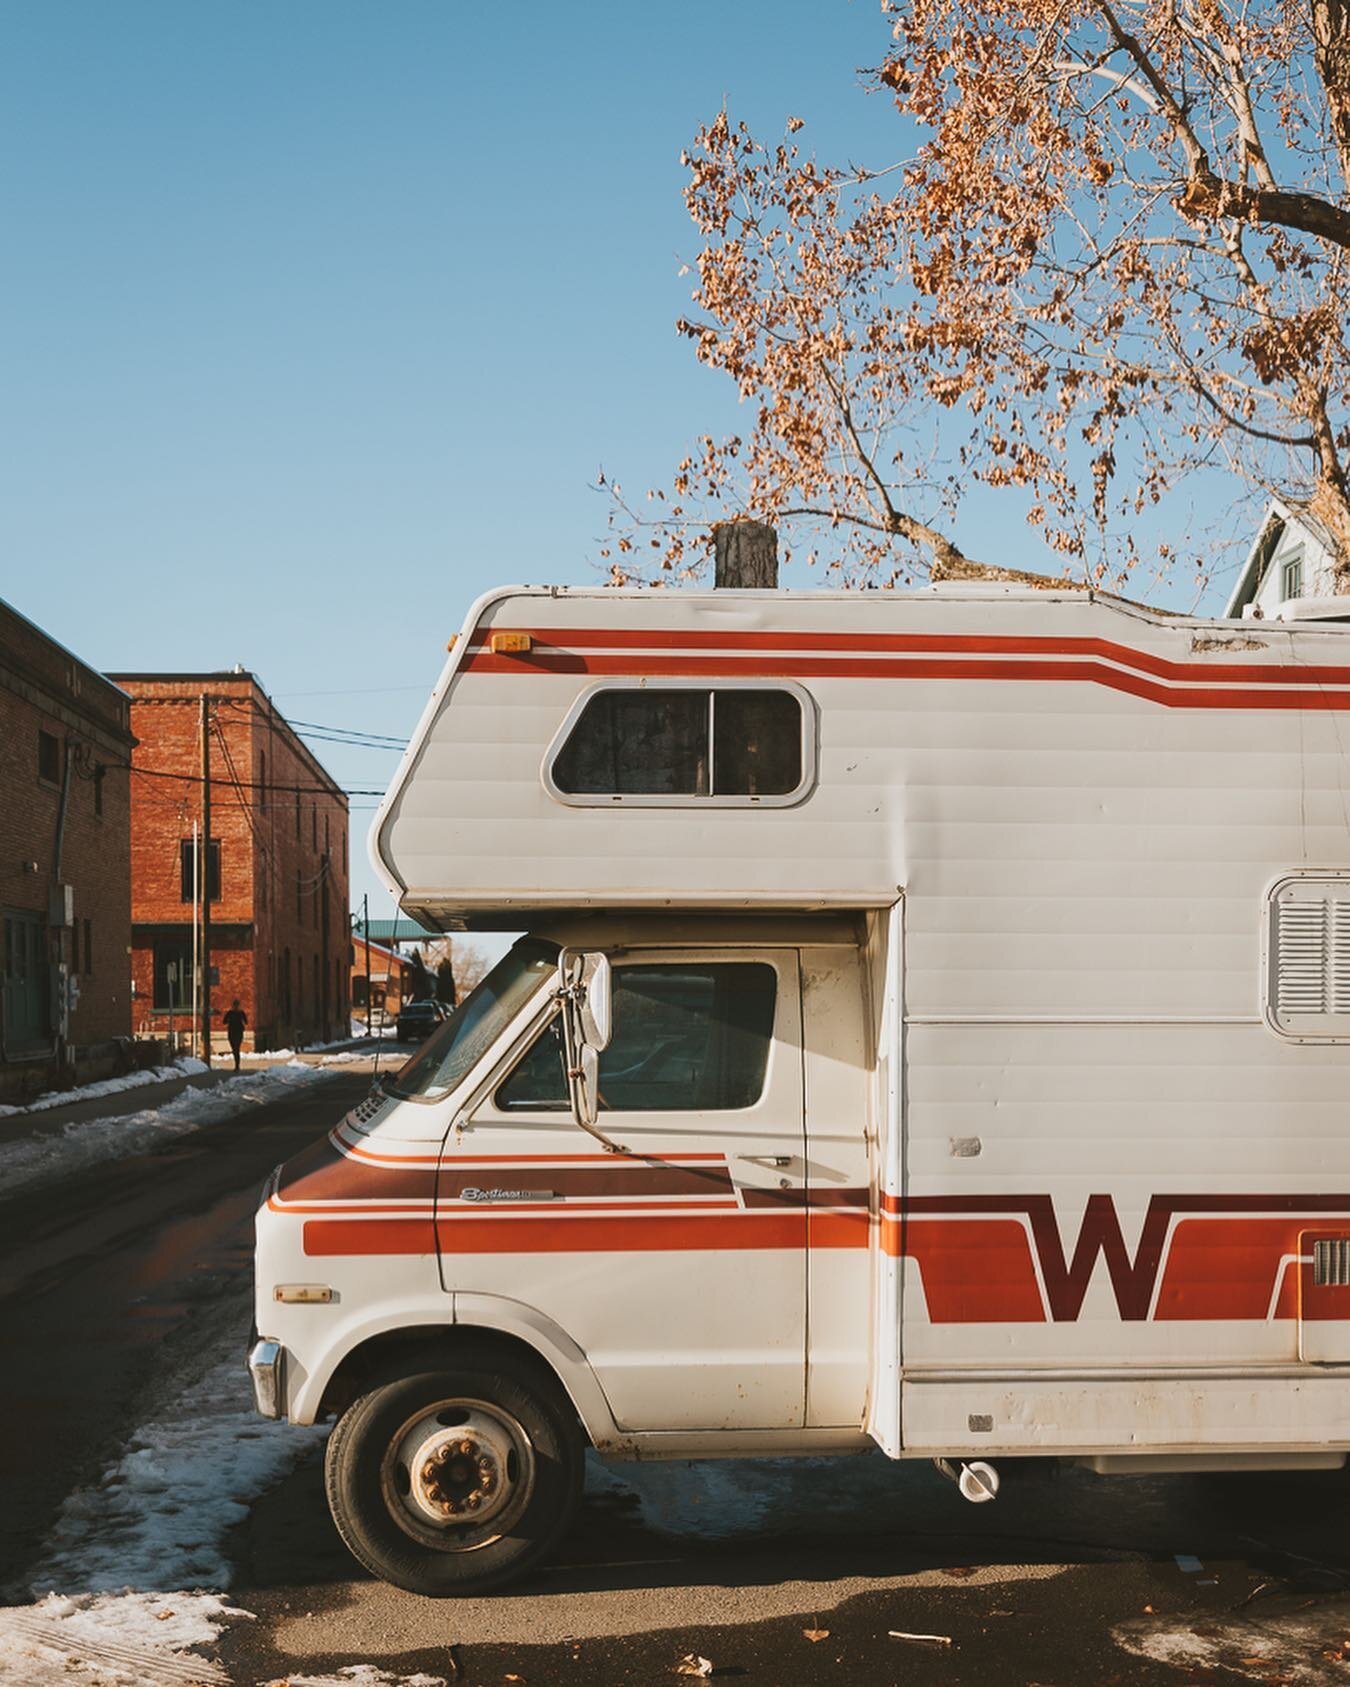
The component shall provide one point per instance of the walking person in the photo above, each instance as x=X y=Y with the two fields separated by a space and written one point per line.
x=235 y=1021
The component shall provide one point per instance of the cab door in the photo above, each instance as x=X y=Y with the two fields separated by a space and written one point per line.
x=677 y=1263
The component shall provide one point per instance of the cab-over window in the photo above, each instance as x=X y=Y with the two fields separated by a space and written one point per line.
x=655 y=743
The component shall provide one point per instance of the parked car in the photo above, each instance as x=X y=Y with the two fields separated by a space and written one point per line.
x=417 y=1020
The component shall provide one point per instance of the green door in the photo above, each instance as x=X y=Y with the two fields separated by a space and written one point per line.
x=27 y=988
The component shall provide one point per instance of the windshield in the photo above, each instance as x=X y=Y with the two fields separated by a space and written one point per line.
x=450 y=1053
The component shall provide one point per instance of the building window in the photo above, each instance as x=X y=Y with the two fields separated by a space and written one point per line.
x=74 y=947
x=99 y=773
x=1291 y=575
x=88 y=950
x=173 y=974
x=49 y=758
x=187 y=868
x=27 y=1020
x=653 y=744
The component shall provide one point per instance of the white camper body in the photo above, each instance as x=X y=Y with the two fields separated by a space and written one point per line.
x=980 y=1082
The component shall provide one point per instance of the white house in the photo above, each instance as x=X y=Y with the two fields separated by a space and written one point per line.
x=1291 y=573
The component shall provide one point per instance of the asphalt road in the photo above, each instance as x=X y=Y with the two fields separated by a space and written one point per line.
x=114 y=1285
x=109 y=1285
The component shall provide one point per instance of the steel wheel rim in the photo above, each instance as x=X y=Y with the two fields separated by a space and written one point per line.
x=458 y=1474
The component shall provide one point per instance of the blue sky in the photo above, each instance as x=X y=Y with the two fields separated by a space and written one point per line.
x=320 y=317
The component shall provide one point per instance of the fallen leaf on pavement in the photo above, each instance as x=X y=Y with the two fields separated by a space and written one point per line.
x=816 y=1633
x=692 y=1664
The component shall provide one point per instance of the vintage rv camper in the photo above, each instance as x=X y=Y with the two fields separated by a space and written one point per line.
x=933 y=1031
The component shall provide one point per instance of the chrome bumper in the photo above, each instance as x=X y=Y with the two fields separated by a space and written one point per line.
x=267 y=1367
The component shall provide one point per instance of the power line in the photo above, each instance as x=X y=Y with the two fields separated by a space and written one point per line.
x=250 y=784
x=347 y=732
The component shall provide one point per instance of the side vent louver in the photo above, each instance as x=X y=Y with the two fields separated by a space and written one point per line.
x=1331 y=1264
x=1309 y=985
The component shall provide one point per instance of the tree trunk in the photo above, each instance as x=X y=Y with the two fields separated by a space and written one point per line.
x=745 y=556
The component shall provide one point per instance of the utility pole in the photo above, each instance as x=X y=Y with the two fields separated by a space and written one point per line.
x=204 y=858
x=365 y=938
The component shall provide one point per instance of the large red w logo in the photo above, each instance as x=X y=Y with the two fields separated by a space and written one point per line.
x=958 y=1291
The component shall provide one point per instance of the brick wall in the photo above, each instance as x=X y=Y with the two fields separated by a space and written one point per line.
x=280 y=928
x=46 y=690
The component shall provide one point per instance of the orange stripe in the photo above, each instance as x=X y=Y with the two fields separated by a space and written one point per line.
x=808 y=667
x=628 y=1233
x=551 y=641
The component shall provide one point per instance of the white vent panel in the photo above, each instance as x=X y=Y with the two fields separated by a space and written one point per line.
x=1309 y=957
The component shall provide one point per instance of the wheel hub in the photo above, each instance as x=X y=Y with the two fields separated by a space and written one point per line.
x=460 y=1476
x=466 y=1474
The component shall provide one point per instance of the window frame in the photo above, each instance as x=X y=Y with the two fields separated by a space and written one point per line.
x=214 y=859
x=618 y=799
x=1292 y=566
x=779 y=1112
x=625 y=961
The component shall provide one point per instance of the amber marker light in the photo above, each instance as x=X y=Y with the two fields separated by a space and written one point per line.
x=303 y=1294
x=511 y=644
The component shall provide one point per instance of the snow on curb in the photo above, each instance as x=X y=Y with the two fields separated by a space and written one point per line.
x=182 y=1067
x=159 y=1516
x=43 y=1157
x=156 y=1520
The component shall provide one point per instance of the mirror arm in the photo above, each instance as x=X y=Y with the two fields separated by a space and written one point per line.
x=599 y=1135
x=568 y=1005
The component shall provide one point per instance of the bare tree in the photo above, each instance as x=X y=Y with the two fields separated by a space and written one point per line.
x=1114 y=257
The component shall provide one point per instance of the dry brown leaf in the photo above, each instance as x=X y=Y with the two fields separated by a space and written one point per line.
x=816 y=1633
x=958 y=1572
x=692 y=1664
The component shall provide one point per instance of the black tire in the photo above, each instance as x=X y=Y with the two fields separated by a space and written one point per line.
x=458 y=1475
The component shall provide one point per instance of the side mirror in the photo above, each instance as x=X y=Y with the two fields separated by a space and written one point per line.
x=584 y=988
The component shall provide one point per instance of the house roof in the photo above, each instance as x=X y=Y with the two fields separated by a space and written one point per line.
x=1279 y=513
x=379 y=949
x=402 y=930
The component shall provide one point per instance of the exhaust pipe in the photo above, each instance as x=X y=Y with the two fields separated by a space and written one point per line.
x=977 y=1481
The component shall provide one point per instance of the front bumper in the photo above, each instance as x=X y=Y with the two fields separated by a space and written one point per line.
x=267 y=1368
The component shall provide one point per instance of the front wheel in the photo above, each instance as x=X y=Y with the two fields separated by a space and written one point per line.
x=457 y=1476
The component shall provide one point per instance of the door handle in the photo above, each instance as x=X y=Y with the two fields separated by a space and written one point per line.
x=779 y=1161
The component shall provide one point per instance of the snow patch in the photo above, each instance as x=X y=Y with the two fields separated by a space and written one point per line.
x=1301 y=1648
x=56 y=1154
x=121 y=1640
x=158 y=1517
x=361 y=1675
x=185 y=1065
x=735 y=1497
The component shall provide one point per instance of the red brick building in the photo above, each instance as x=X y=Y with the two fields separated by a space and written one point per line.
x=382 y=980
x=65 y=870
x=276 y=866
